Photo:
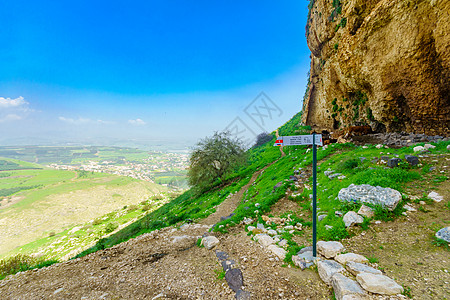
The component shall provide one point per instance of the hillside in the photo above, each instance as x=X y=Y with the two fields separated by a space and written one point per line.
x=37 y=202
x=160 y=255
x=385 y=63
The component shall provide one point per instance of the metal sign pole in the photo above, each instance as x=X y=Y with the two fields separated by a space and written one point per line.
x=314 y=196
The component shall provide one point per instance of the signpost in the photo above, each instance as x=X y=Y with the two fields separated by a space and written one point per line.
x=312 y=139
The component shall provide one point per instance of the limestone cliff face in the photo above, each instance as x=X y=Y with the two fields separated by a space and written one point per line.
x=385 y=63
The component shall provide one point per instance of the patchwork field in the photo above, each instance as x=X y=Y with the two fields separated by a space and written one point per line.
x=36 y=203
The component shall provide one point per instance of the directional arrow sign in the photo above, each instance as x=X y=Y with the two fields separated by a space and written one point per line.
x=296 y=140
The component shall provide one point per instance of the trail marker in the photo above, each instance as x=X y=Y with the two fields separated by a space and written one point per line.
x=312 y=139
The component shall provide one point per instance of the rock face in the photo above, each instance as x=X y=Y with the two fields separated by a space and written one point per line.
x=386 y=197
x=384 y=63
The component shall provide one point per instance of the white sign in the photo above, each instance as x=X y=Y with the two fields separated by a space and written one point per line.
x=296 y=140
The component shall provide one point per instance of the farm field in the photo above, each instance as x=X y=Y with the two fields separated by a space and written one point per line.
x=36 y=203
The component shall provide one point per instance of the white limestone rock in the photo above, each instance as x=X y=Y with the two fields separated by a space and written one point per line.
x=347 y=257
x=329 y=249
x=365 y=193
x=264 y=239
x=366 y=211
x=279 y=252
x=435 y=197
x=346 y=287
x=210 y=242
x=355 y=268
x=379 y=284
x=352 y=218
x=327 y=268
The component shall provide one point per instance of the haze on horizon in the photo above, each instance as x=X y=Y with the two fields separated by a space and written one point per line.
x=98 y=72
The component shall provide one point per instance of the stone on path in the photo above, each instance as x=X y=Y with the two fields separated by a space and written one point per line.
x=444 y=234
x=352 y=218
x=366 y=211
x=279 y=252
x=365 y=193
x=344 y=286
x=210 y=242
x=356 y=268
x=347 y=257
x=435 y=197
x=329 y=249
x=243 y=295
x=234 y=279
x=327 y=268
x=264 y=239
x=412 y=160
x=378 y=284
x=183 y=242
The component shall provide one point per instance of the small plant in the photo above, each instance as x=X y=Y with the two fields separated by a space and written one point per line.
x=97 y=221
x=110 y=227
x=199 y=243
x=132 y=207
x=407 y=291
x=441 y=243
x=146 y=207
x=373 y=259
x=52 y=233
x=220 y=274
x=21 y=262
x=336 y=46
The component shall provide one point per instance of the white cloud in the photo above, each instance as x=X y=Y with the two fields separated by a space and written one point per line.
x=10 y=117
x=82 y=121
x=8 y=102
x=137 y=122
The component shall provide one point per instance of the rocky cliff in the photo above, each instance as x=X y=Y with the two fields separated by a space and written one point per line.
x=385 y=63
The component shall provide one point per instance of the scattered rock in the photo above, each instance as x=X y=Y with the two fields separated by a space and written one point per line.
x=393 y=162
x=352 y=218
x=347 y=257
x=247 y=221
x=429 y=146
x=412 y=160
x=386 y=197
x=435 y=197
x=279 y=252
x=344 y=286
x=234 y=279
x=321 y=217
x=282 y=243
x=329 y=249
x=278 y=185
x=251 y=228
x=327 y=268
x=210 y=242
x=409 y=208
x=243 y=295
x=228 y=264
x=260 y=226
x=328 y=227
x=183 y=242
x=448 y=147
x=306 y=249
x=444 y=234
x=366 y=211
x=58 y=291
x=264 y=239
x=418 y=149
x=272 y=232
x=378 y=284
x=355 y=268
x=341 y=177
x=293 y=178
x=221 y=255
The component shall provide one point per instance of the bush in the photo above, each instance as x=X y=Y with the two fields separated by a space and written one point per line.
x=110 y=227
x=213 y=159
x=262 y=138
x=21 y=262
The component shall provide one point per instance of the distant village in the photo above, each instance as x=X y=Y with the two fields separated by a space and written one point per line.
x=145 y=170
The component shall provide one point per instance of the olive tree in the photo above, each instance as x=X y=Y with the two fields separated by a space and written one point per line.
x=213 y=158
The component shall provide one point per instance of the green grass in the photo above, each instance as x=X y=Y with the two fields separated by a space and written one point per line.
x=20 y=263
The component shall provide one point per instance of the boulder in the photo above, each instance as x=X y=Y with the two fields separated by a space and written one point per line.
x=412 y=160
x=344 y=286
x=352 y=218
x=355 y=268
x=347 y=257
x=279 y=252
x=264 y=239
x=365 y=193
x=210 y=242
x=378 y=284
x=183 y=242
x=419 y=149
x=329 y=249
x=366 y=211
x=234 y=279
x=327 y=268
x=435 y=197
x=393 y=162
x=444 y=234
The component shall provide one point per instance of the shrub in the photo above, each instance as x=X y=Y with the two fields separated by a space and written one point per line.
x=21 y=262
x=110 y=227
x=262 y=138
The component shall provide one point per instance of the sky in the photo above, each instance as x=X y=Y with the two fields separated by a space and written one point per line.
x=102 y=71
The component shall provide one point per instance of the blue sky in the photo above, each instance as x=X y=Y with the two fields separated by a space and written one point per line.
x=91 y=70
